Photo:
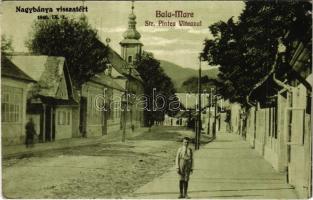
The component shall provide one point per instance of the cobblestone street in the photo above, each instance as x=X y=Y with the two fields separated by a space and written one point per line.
x=106 y=170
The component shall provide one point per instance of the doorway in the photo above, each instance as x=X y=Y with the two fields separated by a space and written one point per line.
x=83 y=117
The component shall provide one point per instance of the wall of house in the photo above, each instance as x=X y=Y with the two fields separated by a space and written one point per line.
x=134 y=114
x=223 y=124
x=94 y=119
x=271 y=148
x=251 y=117
x=235 y=117
x=109 y=121
x=205 y=121
x=263 y=135
x=63 y=122
x=283 y=133
x=282 y=105
x=283 y=137
x=115 y=112
x=137 y=106
x=300 y=143
x=265 y=141
x=175 y=121
x=114 y=126
x=261 y=127
x=75 y=122
x=13 y=125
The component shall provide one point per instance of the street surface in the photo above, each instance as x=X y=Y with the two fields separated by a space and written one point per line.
x=225 y=168
x=106 y=170
x=142 y=167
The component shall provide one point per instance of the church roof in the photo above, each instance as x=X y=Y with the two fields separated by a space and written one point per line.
x=106 y=80
x=131 y=32
x=121 y=65
x=132 y=16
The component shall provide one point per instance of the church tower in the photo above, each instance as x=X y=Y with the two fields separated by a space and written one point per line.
x=130 y=45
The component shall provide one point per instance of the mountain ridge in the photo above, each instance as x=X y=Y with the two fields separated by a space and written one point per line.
x=179 y=74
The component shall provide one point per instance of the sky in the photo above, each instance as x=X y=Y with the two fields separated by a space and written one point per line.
x=180 y=45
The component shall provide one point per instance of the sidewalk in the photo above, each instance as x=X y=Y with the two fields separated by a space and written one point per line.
x=225 y=168
x=21 y=150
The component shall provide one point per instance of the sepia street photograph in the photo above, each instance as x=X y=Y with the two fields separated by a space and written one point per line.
x=156 y=99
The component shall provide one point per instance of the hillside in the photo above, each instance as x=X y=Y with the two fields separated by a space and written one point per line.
x=179 y=74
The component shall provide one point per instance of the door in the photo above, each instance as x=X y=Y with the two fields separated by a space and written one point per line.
x=83 y=116
x=104 y=120
x=49 y=123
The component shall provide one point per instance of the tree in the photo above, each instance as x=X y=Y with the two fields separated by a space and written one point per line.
x=73 y=39
x=156 y=84
x=246 y=50
x=6 y=45
x=191 y=84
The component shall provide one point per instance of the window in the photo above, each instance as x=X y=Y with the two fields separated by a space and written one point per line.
x=275 y=122
x=110 y=112
x=94 y=113
x=130 y=59
x=272 y=128
x=68 y=117
x=11 y=104
x=64 y=117
x=115 y=112
x=90 y=103
x=61 y=117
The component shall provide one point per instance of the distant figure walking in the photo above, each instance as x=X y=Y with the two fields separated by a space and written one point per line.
x=30 y=133
x=184 y=166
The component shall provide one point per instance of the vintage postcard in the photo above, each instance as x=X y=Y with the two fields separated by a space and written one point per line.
x=156 y=99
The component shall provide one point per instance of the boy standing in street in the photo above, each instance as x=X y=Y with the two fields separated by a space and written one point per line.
x=184 y=166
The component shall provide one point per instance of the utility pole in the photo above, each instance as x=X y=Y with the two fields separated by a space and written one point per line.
x=215 y=110
x=125 y=102
x=198 y=132
x=209 y=124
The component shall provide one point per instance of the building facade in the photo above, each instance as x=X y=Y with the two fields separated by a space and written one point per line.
x=15 y=85
x=100 y=106
x=50 y=100
x=280 y=130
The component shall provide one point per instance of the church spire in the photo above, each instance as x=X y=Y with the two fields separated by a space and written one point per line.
x=131 y=45
x=133 y=6
x=131 y=32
